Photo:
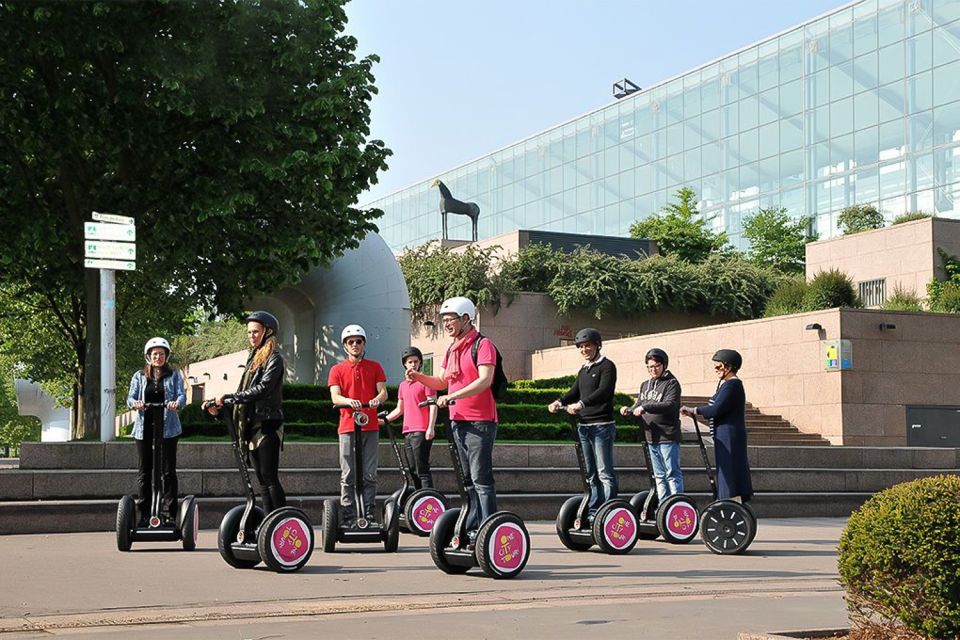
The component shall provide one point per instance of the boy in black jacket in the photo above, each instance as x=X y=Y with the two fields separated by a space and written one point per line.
x=658 y=405
x=591 y=398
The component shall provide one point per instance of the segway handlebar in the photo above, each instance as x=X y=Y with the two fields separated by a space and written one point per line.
x=227 y=401
x=432 y=402
x=364 y=405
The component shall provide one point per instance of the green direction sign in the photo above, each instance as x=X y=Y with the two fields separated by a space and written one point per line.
x=107 y=231
x=117 y=265
x=110 y=250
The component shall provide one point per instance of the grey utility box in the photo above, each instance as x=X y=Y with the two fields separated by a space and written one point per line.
x=933 y=426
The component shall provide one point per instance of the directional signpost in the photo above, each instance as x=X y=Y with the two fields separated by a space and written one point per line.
x=109 y=245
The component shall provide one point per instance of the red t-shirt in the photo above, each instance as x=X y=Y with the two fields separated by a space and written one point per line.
x=357 y=380
x=481 y=406
x=415 y=418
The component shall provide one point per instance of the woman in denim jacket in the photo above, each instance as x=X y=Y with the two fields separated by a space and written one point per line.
x=157 y=383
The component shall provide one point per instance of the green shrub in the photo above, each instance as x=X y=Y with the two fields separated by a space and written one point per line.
x=859 y=217
x=902 y=300
x=943 y=297
x=830 y=289
x=912 y=215
x=899 y=556
x=563 y=382
x=787 y=298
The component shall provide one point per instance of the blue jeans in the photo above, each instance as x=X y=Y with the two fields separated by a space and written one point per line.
x=597 y=443
x=665 y=460
x=474 y=440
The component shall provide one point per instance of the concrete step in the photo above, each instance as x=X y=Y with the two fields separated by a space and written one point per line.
x=218 y=455
x=106 y=483
x=58 y=516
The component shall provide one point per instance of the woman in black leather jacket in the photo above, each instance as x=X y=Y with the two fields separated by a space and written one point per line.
x=257 y=414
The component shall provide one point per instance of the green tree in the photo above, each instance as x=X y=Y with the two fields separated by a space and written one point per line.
x=435 y=273
x=776 y=241
x=859 y=217
x=679 y=230
x=211 y=340
x=236 y=133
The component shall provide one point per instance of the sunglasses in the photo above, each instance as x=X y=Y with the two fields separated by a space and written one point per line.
x=354 y=341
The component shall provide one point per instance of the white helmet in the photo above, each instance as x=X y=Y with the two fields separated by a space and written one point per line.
x=152 y=343
x=352 y=330
x=460 y=306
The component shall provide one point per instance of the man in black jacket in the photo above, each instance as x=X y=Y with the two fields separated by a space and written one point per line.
x=658 y=405
x=591 y=398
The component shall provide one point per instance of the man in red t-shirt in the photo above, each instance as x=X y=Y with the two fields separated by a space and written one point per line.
x=474 y=414
x=357 y=381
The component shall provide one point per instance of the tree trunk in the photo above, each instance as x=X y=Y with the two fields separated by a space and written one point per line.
x=90 y=364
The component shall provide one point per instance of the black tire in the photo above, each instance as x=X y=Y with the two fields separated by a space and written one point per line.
x=411 y=509
x=391 y=526
x=440 y=539
x=637 y=502
x=615 y=527
x=331 y=525
x=189 y=523
x=126 y=522
x=754 y=529
x=297 y=535
x=727 y=527
x=565 y=519
x=227 y=535
x=678 y=519
x=489 y=546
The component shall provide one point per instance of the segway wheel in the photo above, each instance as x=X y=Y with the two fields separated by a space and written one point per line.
x=637 y=502
x=615 y=527
x=753 y=516
x=285 y=540
x=391 y=526
x=677 y=519
x=189 y=523
x=422 y=510
x=565 y=520
x=126 y=521
x=331 y=525
x=227 y=535
x=440 y=537
x=727 y=527
x=503 y=545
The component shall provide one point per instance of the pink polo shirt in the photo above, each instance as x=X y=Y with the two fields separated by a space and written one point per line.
x=481 y=406
x=415 y=418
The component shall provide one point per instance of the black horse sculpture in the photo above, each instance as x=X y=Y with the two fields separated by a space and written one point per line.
x=449 y=204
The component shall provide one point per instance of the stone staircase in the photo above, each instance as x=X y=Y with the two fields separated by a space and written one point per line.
x=63 y=487
x=762 y=428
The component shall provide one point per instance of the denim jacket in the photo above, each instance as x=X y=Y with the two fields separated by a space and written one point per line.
x=173 y=389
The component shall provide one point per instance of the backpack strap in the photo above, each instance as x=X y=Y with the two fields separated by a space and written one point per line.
x=475 y=348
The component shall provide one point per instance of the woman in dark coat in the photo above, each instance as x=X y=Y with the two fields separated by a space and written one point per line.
x=726 y=412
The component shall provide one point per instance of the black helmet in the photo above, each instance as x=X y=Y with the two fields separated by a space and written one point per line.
x=730 y=358
x=409 y=352
x=588 y=335
x=267 y=319
x=659 y=355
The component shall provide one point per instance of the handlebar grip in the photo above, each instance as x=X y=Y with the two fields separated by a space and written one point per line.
x=365 y=405
x=429 y=402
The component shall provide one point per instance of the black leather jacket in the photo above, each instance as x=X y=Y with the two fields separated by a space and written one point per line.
x=265 y=391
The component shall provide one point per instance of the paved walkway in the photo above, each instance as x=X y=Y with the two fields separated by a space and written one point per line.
x=80 y=585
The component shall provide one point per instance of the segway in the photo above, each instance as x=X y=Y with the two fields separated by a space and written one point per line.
x=417 y=508
x=283 y=539
x=726 y=526
x=676 y=519
x=185 y=528
x=360 y=530
x=614 y=526
x=501 y=547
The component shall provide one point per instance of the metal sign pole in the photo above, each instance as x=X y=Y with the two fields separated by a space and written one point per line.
x=108 y=354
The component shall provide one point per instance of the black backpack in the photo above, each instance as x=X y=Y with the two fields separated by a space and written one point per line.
x=500 y=382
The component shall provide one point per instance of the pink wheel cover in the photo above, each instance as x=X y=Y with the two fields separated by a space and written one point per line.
x=425 y=512
x=682 y=520
x=507 y=548
x=291 y=540
x=620 y=528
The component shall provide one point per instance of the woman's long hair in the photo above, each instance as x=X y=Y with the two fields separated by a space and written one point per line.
x=263 y=353
x=156 y=373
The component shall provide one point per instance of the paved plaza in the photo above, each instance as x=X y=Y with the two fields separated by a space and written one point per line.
x=79 y=585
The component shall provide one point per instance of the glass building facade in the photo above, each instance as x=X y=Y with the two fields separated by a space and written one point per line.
x=858 y=106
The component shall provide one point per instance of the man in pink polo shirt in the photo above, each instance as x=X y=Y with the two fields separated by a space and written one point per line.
x=474 y=413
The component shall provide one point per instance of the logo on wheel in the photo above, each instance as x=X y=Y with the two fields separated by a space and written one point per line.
x=620 y=528
x=425 y=513
x=290 y=541
x=682 y=520
x=507 y=548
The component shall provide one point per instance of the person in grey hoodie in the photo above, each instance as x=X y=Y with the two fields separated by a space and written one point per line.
x=658 y=405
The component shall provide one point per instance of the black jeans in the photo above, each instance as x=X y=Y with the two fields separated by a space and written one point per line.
x=418 y=452
x=266 y=462
x=168 y=469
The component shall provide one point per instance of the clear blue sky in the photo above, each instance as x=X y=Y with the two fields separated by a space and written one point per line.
x=460 y=79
